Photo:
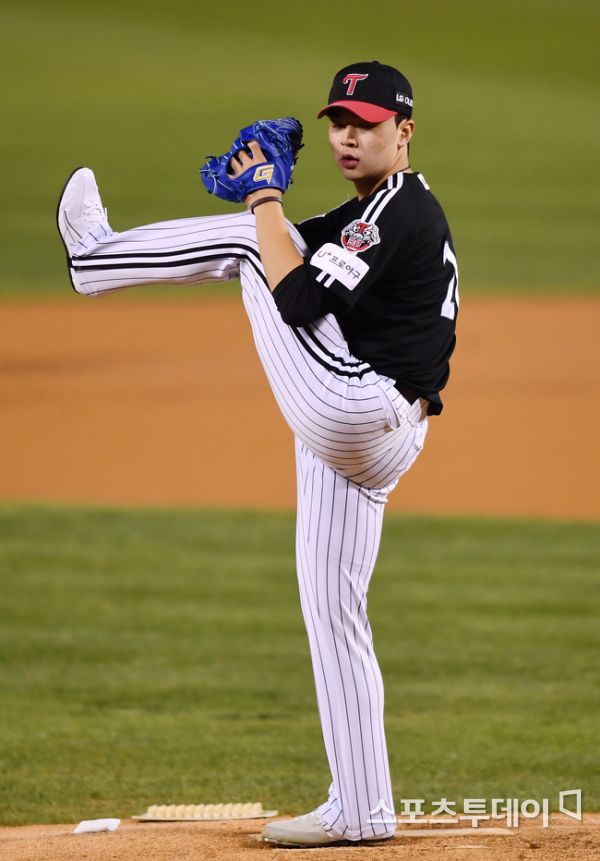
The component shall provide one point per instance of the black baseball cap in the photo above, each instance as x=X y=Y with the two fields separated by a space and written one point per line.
x=373 y=91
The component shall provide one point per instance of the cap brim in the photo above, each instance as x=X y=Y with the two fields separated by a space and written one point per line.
x=364 y=110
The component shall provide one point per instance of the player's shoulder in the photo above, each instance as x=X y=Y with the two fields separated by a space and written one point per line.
x=419 y=188
x=417 y=201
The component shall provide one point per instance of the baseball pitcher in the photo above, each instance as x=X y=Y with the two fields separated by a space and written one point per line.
x=353 y=315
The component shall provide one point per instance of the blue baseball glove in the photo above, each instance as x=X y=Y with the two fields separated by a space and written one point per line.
x=279 y=140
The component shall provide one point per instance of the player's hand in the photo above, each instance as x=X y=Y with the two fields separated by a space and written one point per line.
x=243 y=161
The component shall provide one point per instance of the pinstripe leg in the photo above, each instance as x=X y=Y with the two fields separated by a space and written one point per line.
x=184 y=251
x=337 y=540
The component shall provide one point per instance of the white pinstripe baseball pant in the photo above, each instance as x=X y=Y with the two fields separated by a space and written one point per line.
x=355 y=436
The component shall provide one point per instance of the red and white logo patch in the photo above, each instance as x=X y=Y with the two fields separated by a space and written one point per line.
x=352 y=79
x=360 y=235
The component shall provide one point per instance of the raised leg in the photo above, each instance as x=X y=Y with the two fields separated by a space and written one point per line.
x=184 y=251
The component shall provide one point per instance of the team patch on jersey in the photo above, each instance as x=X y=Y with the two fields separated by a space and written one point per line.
x=336 y=261
x=359 y=235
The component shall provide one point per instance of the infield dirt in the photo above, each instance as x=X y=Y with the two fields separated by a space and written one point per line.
x=164 y=402
x=565 y=840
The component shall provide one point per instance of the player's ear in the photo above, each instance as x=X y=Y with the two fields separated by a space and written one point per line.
x=405 y=132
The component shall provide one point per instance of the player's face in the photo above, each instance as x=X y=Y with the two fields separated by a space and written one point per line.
x=367 y=153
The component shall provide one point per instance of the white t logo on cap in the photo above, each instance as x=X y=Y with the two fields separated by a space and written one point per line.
x=352 y=79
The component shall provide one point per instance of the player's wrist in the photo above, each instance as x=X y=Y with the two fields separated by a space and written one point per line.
x=263 y=194
x=266 y=201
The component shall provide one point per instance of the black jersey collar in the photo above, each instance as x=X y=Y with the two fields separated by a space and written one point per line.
x=393 y=181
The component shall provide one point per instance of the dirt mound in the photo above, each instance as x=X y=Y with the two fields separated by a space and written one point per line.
x=565 y=840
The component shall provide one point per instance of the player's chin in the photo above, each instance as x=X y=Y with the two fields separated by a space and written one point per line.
x=350 y=170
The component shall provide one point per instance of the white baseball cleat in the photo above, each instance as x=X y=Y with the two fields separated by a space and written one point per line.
x=79 y=210
x=308 y=830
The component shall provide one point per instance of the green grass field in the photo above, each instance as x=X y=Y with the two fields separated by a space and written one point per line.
x=153 y=657
x=506 y=99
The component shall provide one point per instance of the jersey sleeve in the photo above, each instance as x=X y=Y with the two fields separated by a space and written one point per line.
x=314 y=230
x=300 y=300
x=362 y=249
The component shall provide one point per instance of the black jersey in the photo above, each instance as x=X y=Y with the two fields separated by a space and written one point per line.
x=385 y=265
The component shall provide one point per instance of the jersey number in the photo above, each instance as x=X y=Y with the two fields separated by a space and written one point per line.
x=451 y=302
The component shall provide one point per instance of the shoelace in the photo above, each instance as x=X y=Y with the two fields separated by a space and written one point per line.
x=93 y=213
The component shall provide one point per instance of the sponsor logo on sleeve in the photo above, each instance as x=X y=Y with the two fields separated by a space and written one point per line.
x=344 y=266
x=359 y=236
